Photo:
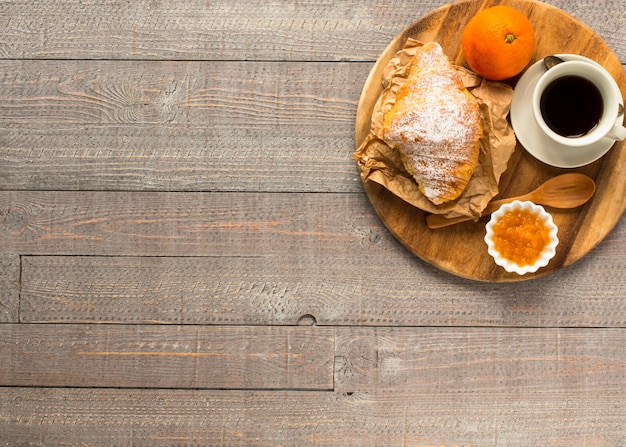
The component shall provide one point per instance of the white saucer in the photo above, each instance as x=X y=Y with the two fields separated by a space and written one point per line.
x=534 y=140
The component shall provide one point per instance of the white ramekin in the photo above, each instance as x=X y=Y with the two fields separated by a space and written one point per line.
x=549 y=250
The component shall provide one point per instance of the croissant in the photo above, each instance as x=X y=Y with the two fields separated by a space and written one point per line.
x=435 y=124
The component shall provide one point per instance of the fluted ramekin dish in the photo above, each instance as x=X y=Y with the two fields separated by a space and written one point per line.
x=501 y=236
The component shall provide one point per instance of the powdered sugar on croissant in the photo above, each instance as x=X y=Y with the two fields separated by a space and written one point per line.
x=435 y=123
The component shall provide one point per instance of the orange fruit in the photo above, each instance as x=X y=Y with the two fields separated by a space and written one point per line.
x=498 y=42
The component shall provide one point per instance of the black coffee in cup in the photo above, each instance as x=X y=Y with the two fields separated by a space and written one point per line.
x=571 y=106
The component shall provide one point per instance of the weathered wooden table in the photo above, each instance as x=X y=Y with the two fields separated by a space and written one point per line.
x=187 y=255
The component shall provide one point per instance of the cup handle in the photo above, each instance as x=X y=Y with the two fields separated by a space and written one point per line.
x=619 y=131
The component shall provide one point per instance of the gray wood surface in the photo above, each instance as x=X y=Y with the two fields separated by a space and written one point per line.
x=395 y=291
x=236 y=30
x=179 y=126
x=165 y=356
x=187 y=256
x=416 y=386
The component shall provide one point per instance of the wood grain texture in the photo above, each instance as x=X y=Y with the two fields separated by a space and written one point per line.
x=188 y=224
x=499 y=361
x=394 y=387
x=166 y=356
x=580 y=229
x=10 y=271
x=307 y=229
x=155 y=418
x=372 y=289
x=234 y=30
x=178 y=126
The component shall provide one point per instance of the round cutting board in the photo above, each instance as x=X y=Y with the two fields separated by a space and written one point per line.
x=460 y=249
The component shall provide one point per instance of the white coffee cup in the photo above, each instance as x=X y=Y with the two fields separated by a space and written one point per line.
x=593 y=121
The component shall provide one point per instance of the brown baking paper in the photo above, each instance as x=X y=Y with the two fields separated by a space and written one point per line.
x=381 y=164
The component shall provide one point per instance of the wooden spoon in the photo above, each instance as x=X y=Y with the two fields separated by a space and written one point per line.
x=563 y=191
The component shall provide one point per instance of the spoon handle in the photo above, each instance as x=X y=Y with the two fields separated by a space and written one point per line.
x=435 y=221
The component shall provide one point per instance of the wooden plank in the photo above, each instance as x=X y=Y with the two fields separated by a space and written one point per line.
x=10 y=270
x=525 y=361
x=139 y=158
x=178 y=126
x=155 y=418
x=550 y=387
x=188 y=224
x=226 y=29
x=368 y=288
x=197 y=29
x=166 y=356
x=181 y=93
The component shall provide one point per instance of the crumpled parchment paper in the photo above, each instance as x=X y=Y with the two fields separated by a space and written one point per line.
x=381 y=164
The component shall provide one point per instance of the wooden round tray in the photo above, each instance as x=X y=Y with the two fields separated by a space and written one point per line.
x=460 y=249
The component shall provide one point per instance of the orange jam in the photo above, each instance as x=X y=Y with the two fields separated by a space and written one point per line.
x=520 y=236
